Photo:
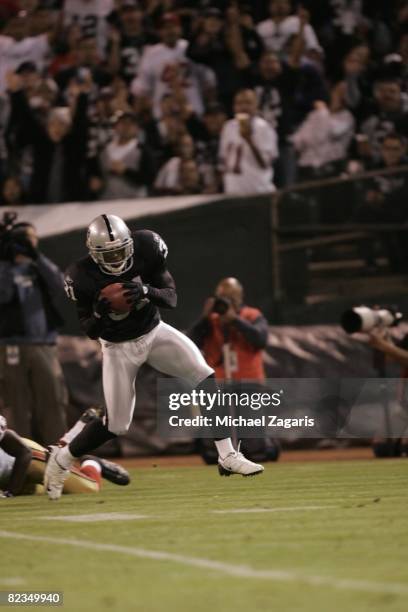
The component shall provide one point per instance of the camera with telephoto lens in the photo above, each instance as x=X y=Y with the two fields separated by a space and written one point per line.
x=221 y=305
x=7 y=224
x=365 y=319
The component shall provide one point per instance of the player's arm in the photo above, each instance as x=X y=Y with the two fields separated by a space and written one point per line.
x=378 y=341
x=94 y=320
x=158 y=285
x=255 y=332
x=92 y=312
x=14 y=446
x=162 y=289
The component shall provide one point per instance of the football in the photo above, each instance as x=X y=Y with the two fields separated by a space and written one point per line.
x=115 y=294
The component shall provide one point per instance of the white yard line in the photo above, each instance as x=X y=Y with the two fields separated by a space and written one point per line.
x=229 y=569
x=256 y=510
x=93 y=518
x=13 y=581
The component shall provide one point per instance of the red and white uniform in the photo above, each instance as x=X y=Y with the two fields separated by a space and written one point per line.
x=241 y=170
x=156 y=70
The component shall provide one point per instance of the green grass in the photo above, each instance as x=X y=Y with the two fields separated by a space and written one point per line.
x=362 y=536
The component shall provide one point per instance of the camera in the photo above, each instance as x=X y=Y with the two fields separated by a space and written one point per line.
x=221 y=305
x=365 y=319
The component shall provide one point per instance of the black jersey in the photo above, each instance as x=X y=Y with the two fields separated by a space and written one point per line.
x=84 y=281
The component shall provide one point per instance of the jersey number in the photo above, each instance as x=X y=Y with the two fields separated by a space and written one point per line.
x=69 y=288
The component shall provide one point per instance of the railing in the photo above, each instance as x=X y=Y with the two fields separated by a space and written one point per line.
x=328 y=233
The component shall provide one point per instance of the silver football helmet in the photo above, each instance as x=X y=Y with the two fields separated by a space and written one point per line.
x=110 y=244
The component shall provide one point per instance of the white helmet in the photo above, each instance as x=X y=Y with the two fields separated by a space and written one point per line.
x=110 y=244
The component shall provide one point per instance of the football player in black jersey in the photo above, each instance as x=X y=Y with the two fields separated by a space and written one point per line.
x=130 y=339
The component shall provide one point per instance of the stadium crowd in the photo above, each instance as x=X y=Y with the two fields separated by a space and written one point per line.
x=107 y=99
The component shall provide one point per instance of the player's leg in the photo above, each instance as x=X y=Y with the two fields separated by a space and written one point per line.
x=91 y=414
x=118 y=374
x=86 y=479
x=108 y=470
x=175 y=354
x=113 y=472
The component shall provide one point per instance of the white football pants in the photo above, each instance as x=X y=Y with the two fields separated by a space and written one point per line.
x=165 y=349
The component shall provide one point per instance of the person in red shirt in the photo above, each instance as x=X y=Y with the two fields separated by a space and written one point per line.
x=232 y=335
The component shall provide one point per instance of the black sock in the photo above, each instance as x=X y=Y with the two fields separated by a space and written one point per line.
x=209 y=384
x=94 y=434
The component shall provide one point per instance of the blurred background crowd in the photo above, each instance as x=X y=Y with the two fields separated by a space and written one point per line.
x=109 y=99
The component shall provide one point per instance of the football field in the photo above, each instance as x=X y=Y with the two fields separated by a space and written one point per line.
x=309 y=537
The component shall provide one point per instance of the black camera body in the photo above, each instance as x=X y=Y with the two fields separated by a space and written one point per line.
x=221 y=305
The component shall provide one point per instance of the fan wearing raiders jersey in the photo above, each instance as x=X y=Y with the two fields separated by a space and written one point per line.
x=130 y=339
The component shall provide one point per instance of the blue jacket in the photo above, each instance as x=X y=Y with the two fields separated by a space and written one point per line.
x=29 y=302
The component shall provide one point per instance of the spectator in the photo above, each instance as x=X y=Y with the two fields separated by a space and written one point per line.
x=384 y=200
x=389 y=114
x=40 y=20
x=168 y=180
x=87 y=65
x=31 y=380
x=227 y=48
x=248 y=147
x=126 y=162
x=11 y=192
x=41 y=92
x=278 y=29
x=165 y=67
x=16 y=46
x=323 y=139
x=232 y=335
x=286 y=91
x=403 y=54
x=66 y=50
x=91 y=16
x=208 y=51
x=190 y=179
x=128 y=41
x=164 y=134
x=207 y=135
x=59 y=147
x=358 y=76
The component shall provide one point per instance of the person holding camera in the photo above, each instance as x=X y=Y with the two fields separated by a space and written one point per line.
x=380 y=340
x=232 y=335
x=32 y=387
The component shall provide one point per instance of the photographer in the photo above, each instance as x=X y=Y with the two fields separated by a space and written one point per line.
x=231 y=334
x=380 y=340
x=31 y=380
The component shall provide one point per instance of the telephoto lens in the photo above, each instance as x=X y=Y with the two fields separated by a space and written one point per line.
x=365 y=319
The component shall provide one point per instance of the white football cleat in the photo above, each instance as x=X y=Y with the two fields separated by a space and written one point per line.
x=236 y=463
x=55 y=475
